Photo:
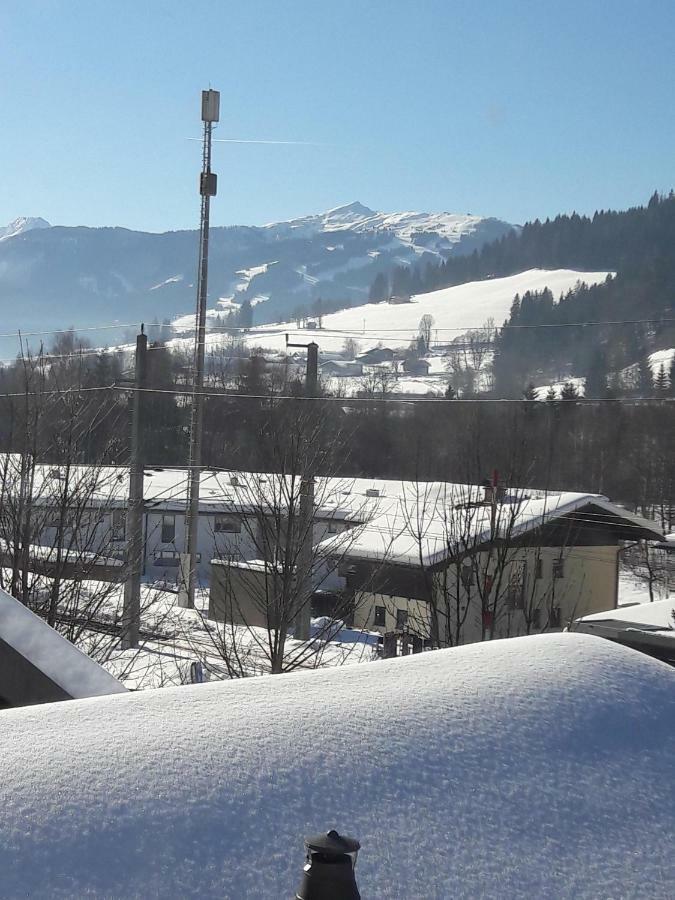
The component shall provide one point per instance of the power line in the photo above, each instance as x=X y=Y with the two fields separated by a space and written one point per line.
x=345 y=401
x=74 y=330
x=287 y=327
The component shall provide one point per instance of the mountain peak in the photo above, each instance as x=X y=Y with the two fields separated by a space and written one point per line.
x=355 y=208
x=21 y=225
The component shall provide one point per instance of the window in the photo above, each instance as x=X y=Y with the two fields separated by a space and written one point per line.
x=379 y=616
x=227 y=525
x=333 y=527
x=515 y=592
x=119 y=525
x=168 y=529
x=556 y=617
x=401 y=618
x=539 y=568
x=467 y=573
x=559 y=568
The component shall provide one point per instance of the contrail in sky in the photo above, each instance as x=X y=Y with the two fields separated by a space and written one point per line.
x=242 y=141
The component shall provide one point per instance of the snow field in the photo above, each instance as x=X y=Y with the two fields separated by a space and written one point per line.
x=532 y=767
x=455 y=310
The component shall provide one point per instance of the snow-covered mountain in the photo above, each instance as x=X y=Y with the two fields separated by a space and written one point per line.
x=21 y=225
x=56 y=276
x=419 y=230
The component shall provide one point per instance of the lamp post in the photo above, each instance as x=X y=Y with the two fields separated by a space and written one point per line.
x=328 y=873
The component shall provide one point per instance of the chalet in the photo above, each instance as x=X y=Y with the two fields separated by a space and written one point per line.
x=375 y=356
x=341 y=368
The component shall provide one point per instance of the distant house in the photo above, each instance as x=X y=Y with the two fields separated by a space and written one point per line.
x=341 y=368
x=38 y=665
x=416 y=366
x=398 y=299
x=376 y=355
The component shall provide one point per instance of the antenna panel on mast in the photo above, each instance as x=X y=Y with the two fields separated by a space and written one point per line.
x=210 y=106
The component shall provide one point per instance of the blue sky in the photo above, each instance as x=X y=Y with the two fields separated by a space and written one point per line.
x=511 y=108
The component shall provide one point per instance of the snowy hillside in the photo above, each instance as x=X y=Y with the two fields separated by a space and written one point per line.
x=455 y=310
x=21 y=226
x=533 y=767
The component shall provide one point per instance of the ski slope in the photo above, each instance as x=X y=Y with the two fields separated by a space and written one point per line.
x=455 y=310
x=534 y=767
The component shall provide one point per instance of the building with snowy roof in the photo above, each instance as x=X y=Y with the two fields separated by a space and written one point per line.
x=455 y=565
x=647 y=627
x=342 y=368
x=536 y=767
x=432 y=557
x=38 y=665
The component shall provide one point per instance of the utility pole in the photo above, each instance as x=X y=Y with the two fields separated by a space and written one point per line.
x=131 y=611
x=306 y=512
x=207 y=189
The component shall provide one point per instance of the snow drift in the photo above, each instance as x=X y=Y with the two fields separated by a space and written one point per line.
x=533 y=767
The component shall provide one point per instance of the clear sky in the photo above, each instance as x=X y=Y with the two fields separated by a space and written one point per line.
x=511 y=108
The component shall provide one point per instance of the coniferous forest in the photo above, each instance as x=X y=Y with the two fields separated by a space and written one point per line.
x=547 y=336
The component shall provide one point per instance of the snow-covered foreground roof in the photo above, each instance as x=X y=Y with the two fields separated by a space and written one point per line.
x=533 y=767
x=66 y=666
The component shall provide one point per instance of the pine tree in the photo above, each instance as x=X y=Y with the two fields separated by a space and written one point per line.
x=246 y=314
x=569 y=391
x=645 y=377
x=379 y=289
x=671 y=385
x=661 y=382
x=596 y=376
x=401 y=283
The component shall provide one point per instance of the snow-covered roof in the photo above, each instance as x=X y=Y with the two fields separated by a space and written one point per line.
x=532 y=767
x=429 y=523
x=66 y=666
x=401 y=518
x=658 y=614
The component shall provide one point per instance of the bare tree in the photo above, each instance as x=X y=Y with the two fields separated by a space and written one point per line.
x=275 y=557
x=481 y=576
x=350 y=348
x=648 y=565
x=424 y=329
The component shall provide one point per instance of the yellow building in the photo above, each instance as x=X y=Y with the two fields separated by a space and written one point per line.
x=478 y=567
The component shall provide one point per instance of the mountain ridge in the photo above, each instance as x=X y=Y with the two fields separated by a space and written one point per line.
x=56 y=275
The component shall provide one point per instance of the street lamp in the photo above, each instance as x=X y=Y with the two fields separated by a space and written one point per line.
x=329 y=870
